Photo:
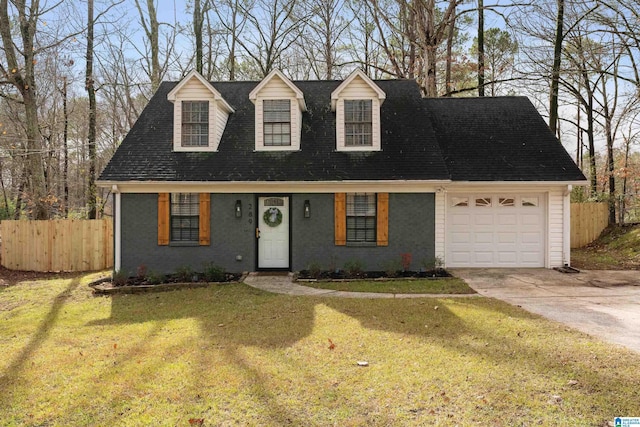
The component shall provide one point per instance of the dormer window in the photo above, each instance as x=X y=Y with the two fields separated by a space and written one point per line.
x=357 y=123
x=357 y=102
x=277 y=122
x=195 y=123
x=279 y=105
x=200 y=114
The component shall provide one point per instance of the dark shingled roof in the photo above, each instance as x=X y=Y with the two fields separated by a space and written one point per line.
x=498 y=139
x=480 y=139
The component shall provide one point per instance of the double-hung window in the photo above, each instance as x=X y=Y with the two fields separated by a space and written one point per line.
x=195 y=123
x=361 y=217
x=358 y=123
x=185 y=217
x=276 y=122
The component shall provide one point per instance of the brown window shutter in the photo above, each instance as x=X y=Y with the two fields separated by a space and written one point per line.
x=382 y=226
x=163 y=219
x=340 y=215
x=205 y=221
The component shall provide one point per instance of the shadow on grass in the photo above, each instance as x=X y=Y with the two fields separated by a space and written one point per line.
x=15 y=368
x=509 y=338
x=237 y=312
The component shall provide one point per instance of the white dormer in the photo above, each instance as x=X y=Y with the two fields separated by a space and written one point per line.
x=357 y=104
x=200 y=114
x=279 y=105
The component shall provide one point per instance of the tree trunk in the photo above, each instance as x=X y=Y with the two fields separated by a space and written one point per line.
x=91 y=139
x=65 y=142
x=447 y=72
x=197 y=31
x=555 y=71
x=480 y=48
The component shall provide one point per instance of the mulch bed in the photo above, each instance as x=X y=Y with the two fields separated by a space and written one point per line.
x=133 y=285
x=12 y=277
x=371 y=275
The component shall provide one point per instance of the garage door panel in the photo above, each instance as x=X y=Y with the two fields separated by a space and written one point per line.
x=483 y=257
x=460 y=219
x=529 y=257
x=507 y=237
x=507 y=219
x=529 y=237
x=500 y=234
x=483 y=237
x=483 y=219
x=507 y=258
x=530 y=219
x=460 y=237
x=463 y=257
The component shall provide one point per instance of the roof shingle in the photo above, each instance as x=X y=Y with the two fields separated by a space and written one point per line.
x=422 y=139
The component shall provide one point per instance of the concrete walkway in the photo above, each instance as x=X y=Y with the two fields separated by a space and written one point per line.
x=284 y=284
x=605 y=304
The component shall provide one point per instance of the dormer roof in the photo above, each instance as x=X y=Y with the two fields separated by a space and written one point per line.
x=356 y=74
x=171 y=96
x=277 y=74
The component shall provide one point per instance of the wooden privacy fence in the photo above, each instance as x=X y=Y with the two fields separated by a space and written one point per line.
x=588 y=220
x=57 y=245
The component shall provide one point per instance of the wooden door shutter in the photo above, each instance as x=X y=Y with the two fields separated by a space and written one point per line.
x=163 y=219
x=205 y=219
x=382 y=225
x=340 y=218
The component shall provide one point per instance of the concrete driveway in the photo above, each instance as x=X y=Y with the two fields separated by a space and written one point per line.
x=605 y=304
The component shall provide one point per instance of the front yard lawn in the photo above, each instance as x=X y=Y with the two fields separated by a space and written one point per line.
x=234 y=355
x=449 y=285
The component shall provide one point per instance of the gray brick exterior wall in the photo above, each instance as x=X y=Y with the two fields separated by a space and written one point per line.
x=230 y=236
x=411 y=230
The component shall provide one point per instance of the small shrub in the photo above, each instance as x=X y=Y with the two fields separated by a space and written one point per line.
x=214 y=273
x=184 y=273
x=392 y=267
x=435 y=263
x=154 y=278
x=119 y=278
x=353 y=267
x=315 y=270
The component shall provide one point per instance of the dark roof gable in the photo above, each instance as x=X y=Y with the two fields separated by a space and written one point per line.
x=422 y=139
x=498 y=139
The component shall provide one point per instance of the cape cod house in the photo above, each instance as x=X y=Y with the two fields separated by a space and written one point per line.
x=279 y=174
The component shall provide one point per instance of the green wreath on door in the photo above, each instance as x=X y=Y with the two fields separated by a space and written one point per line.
x=272 y=217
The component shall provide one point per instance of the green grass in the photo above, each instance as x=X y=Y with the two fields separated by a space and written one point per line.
x=234 y=355
x=450 y=285
x=618 y=248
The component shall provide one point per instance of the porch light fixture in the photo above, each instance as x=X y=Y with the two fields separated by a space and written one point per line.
x=307 y=209
x=238 y=209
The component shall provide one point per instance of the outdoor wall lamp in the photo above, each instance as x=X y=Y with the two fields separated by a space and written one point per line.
x=238 y=209
x=307 y=209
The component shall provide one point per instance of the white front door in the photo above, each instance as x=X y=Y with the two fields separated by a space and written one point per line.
x=273 y=232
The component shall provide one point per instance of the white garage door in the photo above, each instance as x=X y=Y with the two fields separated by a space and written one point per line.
x=495 y=230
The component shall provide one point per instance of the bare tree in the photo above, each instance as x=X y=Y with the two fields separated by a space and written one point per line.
x=480 y=41
x=156 y=67
x=20 y=56
x=323 y=35
x=271 y=30
x=555 y=70
x=431 y=29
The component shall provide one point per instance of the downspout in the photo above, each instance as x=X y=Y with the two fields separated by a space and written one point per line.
x=116 y=228
x=566 y=227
